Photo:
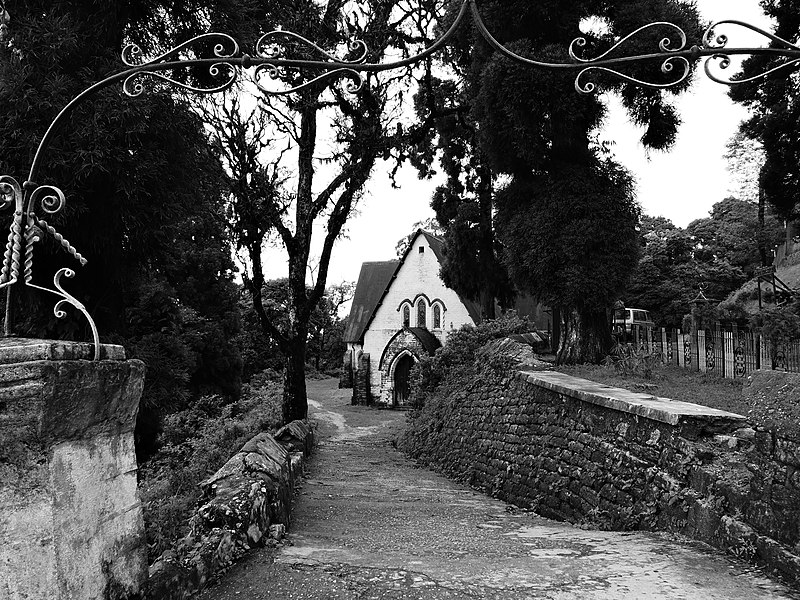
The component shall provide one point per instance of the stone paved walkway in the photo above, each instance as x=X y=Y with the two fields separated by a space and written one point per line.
x=369 y=524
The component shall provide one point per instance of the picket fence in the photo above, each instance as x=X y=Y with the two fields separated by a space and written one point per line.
x=728 y=352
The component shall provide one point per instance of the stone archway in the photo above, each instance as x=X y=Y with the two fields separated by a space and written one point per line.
x=412 y=342
x=401 y=381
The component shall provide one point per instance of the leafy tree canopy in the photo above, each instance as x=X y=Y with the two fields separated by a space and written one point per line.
x=572 y=242
x=775 y=110
x=716 y=254
x=144 y=202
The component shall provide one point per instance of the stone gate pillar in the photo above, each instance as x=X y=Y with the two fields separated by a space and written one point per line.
x=70 y=518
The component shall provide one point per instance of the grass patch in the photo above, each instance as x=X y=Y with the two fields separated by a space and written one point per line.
x=672 y=382
x=195 y=443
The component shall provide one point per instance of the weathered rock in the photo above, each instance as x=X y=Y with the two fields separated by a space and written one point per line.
x=297 y=436
x=246 y=502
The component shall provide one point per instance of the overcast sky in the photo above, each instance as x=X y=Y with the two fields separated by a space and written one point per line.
x=681 y=185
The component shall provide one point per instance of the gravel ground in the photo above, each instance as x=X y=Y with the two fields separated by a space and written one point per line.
x=370 y=524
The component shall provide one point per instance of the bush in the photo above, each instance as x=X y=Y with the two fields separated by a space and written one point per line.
x=458 y=355
x=778 y=325
x=629 y=362
x=194 y=444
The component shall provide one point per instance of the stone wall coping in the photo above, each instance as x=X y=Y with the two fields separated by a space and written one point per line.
x=644 y=405
x=20 y=350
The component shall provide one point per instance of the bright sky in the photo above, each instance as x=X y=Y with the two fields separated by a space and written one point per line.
x=681 y=185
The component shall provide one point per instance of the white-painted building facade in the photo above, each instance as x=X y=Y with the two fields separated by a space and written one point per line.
x=401 y=311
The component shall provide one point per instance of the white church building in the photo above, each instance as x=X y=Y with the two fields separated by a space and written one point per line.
x=401 y=312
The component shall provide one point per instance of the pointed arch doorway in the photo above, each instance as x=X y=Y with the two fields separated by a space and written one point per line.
x=402 y=380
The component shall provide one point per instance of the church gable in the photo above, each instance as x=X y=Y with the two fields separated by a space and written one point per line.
x=402 y=311
x=417 y=296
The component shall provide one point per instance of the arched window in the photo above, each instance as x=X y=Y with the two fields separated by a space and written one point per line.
x=437 y=316
x=421 y=314
x=406 y=316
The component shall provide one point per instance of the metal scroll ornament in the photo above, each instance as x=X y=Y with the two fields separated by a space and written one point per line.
x=298 y=64
x=27 y=228
x=225 y=48
x=274 y=44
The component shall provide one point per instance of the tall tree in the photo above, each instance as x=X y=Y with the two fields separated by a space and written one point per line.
x=775 y=113
x=144 y=202
x=745 y=156
x=335 y=137
x=732 y=232
x=464 y=205
x=537 y=136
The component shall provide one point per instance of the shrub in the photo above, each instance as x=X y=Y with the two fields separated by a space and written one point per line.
x=778 y=325
x=194 y=444
x=628 y=361
x=458 y=354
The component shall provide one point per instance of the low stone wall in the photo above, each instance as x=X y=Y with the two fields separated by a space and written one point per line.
x=246 y=502
x=583 y=452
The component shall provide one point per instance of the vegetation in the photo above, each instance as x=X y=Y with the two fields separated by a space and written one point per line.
x=195 y=443
x=520 y=147
x=716 y=254
x=453 y=364
x=144 y=203
x=779 y=325
x=775 y=114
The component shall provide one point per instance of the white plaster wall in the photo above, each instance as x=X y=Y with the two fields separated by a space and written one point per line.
x=419 y=274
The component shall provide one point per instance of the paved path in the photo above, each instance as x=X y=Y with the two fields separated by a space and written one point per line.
x=369 y=524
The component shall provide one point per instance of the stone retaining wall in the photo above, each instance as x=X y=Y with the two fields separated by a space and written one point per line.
x=246 y=502
x=583 y=452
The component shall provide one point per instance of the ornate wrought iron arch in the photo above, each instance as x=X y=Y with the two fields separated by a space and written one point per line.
x=30 y=200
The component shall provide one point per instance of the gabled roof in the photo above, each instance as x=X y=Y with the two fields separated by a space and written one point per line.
x=373 y=281
x=429 y=341
x=373 y=285
x=437 y=245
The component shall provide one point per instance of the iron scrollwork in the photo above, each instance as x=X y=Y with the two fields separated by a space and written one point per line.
x=225 y=48
x=26 y=230
x=740 y=359
x=273 y=60
x=711 y=359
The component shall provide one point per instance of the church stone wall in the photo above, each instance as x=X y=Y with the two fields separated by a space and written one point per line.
x=406 y=341
x=362 y=393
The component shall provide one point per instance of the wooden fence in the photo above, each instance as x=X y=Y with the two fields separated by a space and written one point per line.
x=728 y=352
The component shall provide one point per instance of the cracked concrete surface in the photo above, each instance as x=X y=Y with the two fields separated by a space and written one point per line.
x=369 y=524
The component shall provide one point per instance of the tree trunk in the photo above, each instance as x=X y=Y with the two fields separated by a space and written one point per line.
x=585 y=337
x=555 y=335
x=487 y=305
x=295 y=404
x=486 y=259
x=320 y=349
x=762 y=238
